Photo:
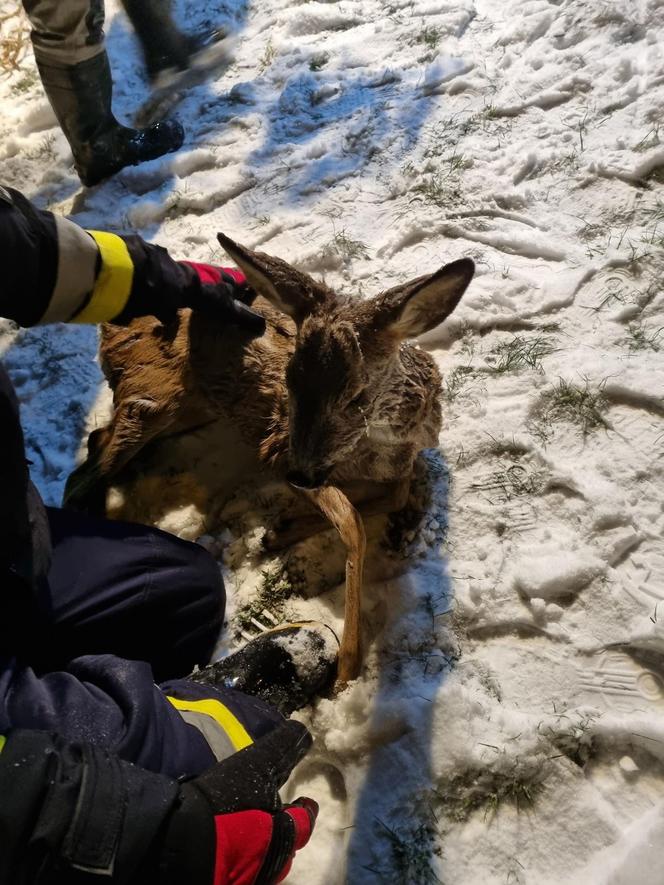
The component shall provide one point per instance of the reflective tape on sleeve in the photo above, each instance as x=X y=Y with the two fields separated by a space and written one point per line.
x=114 y=281
x=221 y=716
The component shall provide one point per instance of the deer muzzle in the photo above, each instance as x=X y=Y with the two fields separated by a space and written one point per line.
x=307 y=479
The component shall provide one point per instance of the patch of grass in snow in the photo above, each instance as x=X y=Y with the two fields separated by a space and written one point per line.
x=490 y=112
x=566 y=163
x=318 y=61
x=456 y=380
x=636 y=257
x=591 y=231
x=654 y=236
x=490 y=120
x=447 y=134
x=650 y=140
x=520 y=353
x=581 y=128
x=570 y=403
x=274 y=590
x=429 y=37
x=345 y=246
x=504 y=447
x=457 y=163
x=572 y=736
x=609 y=241
x=269 y=54
x=411 y=852
x=493 y=120
x=25 y=84
x=261 y=220
x=428 y=645
x=45 y=150
x=641 y=338
x=654 y=213
x=438 y=186
x=437 y=189
x=476 y=789
x=441 y=188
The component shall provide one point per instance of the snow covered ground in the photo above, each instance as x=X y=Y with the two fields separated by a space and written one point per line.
x=509 y=727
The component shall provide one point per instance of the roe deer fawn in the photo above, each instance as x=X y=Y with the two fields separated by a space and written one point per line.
x=330 y=395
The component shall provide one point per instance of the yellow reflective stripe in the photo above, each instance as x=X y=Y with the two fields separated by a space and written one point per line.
x=3 y=740
x=229 y=723
x=113 y=285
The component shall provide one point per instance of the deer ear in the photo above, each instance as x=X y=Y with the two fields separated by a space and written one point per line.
x=286 y=288
x=413 y=308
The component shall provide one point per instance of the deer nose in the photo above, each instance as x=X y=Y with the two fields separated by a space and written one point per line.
x=301 y=480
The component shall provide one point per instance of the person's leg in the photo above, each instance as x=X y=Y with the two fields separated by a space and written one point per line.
x=127 y=590
x=166 y=49
x=68 y=41
x=130 y=589
x=66 y=33
x=164 y=45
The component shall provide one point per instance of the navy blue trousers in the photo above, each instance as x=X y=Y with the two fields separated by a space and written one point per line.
x=124 y=607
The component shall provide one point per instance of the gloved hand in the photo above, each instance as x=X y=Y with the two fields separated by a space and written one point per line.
x=161 y=286
x=236 y=804
x=73 y=812
x=225 y=294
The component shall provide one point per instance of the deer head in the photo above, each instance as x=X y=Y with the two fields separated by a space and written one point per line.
x=346 y=353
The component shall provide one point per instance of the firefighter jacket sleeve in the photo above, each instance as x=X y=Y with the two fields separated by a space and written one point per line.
x=55 y=271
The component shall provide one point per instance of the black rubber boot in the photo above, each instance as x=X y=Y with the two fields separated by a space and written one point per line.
x=165 y=47
x=287 y=667
x=81 y=97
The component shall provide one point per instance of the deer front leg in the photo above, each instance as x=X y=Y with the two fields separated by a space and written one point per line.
x=336 y=507
x=371 y=499
x=110 y=448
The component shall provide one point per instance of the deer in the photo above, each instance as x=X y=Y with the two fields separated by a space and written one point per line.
x=333 y=396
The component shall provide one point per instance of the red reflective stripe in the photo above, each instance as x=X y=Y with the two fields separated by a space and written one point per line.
x=209 y=274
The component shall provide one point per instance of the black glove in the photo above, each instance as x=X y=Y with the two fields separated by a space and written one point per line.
x=162 y=286
x=226 y=299
x=237 y=803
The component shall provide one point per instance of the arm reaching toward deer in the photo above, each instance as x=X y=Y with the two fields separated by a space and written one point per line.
x=57 y=272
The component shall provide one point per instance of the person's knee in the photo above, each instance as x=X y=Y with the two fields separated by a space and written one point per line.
x=204 y=578
x=196 y=609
